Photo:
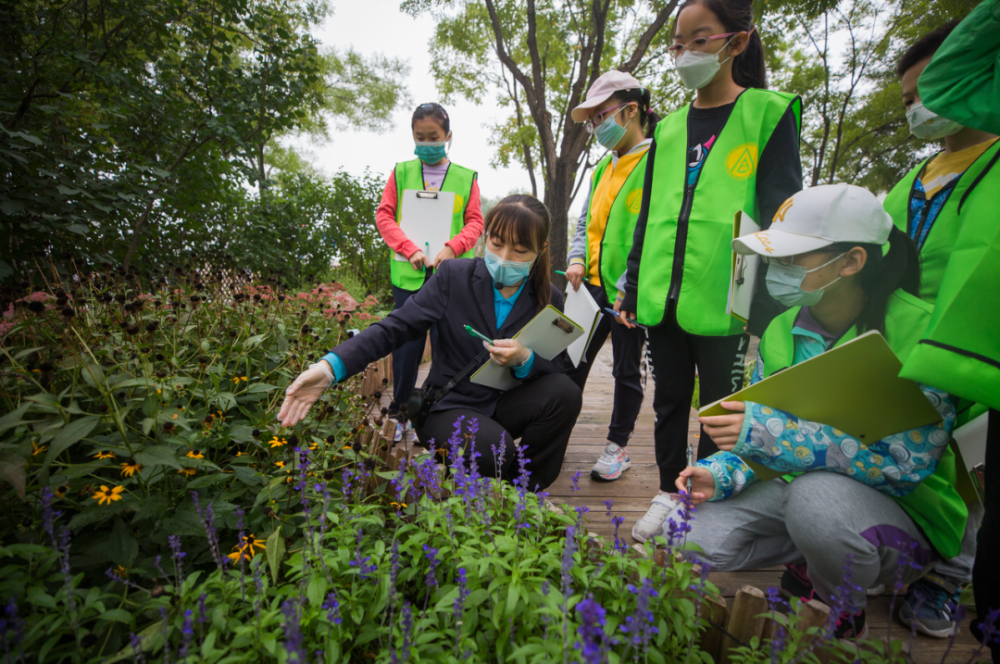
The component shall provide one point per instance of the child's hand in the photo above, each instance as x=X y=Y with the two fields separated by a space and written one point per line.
x=702 y=484
x=724 y=430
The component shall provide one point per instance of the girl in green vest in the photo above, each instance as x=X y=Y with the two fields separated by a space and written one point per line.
x=430 y=171
x=883 y=507
x=736 y=147
x=617 y=113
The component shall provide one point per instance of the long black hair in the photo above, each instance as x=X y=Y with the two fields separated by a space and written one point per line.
x=641 y=97
x=749 y=70
x=883 y=275
x=523 y=219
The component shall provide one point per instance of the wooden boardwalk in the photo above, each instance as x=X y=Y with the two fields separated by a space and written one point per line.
x=634 y=490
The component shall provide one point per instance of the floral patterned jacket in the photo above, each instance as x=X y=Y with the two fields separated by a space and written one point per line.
x=781 y=441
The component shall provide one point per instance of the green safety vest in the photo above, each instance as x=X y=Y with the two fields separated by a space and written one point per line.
x=687 y=252
x=410 y=175
x=940 y=242
x=935 y=504
x=617 y=239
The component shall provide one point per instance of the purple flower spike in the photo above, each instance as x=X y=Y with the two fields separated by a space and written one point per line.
x=591 y=631
x=332 y=607
x=431 y=554
x=293 y=633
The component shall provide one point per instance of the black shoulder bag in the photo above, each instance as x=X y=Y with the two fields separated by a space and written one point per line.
x=418 y=406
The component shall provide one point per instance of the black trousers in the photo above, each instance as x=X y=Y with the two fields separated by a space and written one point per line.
x=673 y=355
x=541 y=412
x=626 y=348
x=986 y=573
x=406 y=358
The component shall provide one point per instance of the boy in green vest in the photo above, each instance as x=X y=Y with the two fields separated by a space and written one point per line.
x=931 y=205
x=889 y=505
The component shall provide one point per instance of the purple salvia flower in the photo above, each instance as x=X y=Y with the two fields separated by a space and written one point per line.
x=593 y=641
x=187 y=635
x=208 y=523
x=49 y=515
x=608 y=504
x=12 y=622
x=393 y=565
x=575 y=481
x=166 y=634
x=62 y=545
x=640 y=626
x=293 y=633
x=202 y=619
x=431 y=554
x=243 y=590
x=258 y=581
x=407 y=630
x=138 y=657
x=178 y=556
x=620 y=545
x=364 y=569
x=332 y=607
x=569 y=549
x=459 y=606
x=401 y=483
x=778 y=639
x=522 y=468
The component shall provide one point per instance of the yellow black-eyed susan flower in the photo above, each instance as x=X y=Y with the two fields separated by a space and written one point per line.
x=61 y=491
x=37 y=449
x=104 y=454
x=277 y=442
x=195 y=454
x=187 y=472
x=106 y=496
x=130 y=467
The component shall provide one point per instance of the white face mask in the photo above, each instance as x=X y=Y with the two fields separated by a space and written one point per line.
x=697 y=69
x=927 y=125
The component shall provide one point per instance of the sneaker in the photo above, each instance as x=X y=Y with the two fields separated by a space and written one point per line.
x=795 y=582
x=851 y=626
x=400 y=430
x=929 y=604
x=651 y=524
x=612 y=463
x=876 y=591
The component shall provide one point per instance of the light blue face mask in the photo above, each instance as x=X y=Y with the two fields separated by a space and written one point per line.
x=430 y=153
x=784 y=283
x=506 y=273
x=609 y=132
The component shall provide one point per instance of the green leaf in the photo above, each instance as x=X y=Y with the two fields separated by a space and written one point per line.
x=150 y=638
x=261 y=387
x=13 y=418
x=93 y=375
x=117 y=615
x=316 y=590
x=158 y=455
x=122 y=547
x=275 y=550
x=69 y=435
x=12 y=470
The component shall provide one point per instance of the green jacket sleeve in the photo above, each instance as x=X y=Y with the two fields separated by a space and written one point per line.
x=962 y=81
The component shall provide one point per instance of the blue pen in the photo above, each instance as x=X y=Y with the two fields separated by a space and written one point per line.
x=618 y=315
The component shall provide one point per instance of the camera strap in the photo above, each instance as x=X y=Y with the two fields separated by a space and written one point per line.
x=465 y=371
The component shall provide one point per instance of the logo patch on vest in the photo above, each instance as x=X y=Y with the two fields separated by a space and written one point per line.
x=459 y=204
x=741 y=162
x=633 y=202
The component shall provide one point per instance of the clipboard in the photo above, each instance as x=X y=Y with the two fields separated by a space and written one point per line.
x=581 y=306
x=743 y=271
x=969 y=445
x=547 y=334
x=425 y=217
x=855 y=388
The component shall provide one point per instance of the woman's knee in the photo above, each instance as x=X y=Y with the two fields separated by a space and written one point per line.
x=565 y=393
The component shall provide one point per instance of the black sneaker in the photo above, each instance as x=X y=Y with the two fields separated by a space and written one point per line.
x=929 y=606
x=851 y=626
x=795 y=583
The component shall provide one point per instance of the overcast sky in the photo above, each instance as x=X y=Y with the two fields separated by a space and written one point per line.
x=377 y=26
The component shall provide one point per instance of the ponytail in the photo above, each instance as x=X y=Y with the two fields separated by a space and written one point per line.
x=749 y=69
x=641 y=96
x=883 y=275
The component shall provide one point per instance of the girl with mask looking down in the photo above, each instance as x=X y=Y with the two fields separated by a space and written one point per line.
x=736 y=147
x=890 y=505
x=497 y=296
x=430 y=171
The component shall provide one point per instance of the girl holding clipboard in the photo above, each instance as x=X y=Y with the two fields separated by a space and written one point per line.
x=496 y=296
x=617 y=113
x=430 y=171
x=736 y=147
x=881 y=502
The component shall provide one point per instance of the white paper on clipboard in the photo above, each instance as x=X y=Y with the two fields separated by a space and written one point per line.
x=582 y=308
x=425 y=218
x=548 y=334
x=743 y=274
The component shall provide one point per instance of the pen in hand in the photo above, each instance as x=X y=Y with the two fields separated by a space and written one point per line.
x=690 y=460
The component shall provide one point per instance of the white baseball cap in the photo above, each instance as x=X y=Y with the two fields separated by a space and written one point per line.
x=602 y=89
x=818 y=217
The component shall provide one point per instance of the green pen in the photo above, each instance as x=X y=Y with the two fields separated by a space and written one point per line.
x=560 y=272
x=478 y=335
x=427 y=251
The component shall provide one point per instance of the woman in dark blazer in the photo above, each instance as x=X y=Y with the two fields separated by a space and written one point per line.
x=497 y=296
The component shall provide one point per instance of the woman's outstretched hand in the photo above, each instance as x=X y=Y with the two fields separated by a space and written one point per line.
x=303 y=393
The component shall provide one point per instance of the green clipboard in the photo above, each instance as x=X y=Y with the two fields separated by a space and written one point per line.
x=855 y=388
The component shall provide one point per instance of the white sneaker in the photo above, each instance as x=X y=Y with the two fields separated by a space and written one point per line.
x=613 y=462
x=400 y=430
x=651 y=524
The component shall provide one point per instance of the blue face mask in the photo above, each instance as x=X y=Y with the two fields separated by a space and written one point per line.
x=431 y=153
x=506 y=273
x=609 y=132
x=784 y=283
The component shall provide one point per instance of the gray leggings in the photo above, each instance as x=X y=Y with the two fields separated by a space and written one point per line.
x=819 y=518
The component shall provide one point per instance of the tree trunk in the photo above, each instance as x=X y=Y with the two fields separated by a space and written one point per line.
x=558 y=194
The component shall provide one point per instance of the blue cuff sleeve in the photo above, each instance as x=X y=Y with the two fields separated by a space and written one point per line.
x=522 y=371
x=339 y=370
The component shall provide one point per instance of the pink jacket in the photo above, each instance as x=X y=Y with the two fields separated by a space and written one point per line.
x=385 y=220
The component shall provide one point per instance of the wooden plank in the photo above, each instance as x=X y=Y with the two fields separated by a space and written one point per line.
x=745 y=621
